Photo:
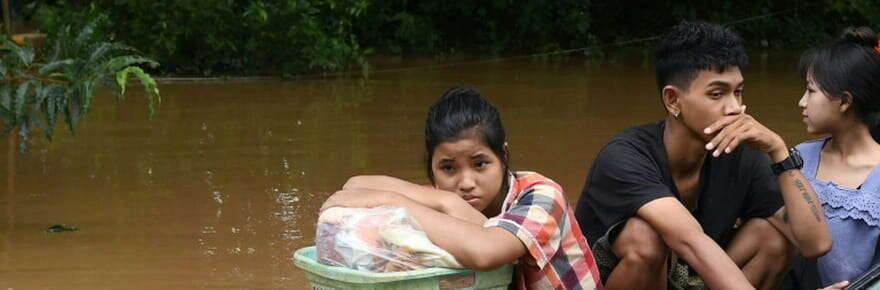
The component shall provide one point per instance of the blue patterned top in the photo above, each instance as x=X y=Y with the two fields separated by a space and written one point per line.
x=853 y=219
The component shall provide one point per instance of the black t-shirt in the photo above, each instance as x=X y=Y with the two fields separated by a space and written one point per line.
x=632 y=170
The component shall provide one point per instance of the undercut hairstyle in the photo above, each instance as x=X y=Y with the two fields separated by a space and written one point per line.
x=695 y=46
x=462 y=113
x=849 y=64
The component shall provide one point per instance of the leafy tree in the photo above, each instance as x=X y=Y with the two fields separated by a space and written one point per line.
x=289 y=37
x=204 y=37
x=59 y=81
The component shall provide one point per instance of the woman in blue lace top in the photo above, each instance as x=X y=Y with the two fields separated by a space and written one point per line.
x=842 y=101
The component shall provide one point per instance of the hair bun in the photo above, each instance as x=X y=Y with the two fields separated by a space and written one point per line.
x=860 y=35
x=873 y=122
x=873 y=118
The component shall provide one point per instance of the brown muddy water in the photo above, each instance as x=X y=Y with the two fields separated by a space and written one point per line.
x=224 y=183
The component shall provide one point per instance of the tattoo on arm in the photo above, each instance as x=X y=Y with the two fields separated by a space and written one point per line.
x=806 y=195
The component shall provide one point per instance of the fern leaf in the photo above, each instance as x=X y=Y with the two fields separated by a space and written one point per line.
x=121 y=81
x=72 y=113
x=41 y=124
x=5 y=110
x=118 y=47
x=56 y=52
x=121 y=62
x=51 y=108
x=52 y=105
x=9 y=46
x=148 y=82
x=63 y=79
x=151 y=90
x=59 y=76
x=88 y=91
x=103 y=49
x=20 y=101
x=23 y=132
x=6 y=117
x=85 y=35
x=25 y=54
x=55 y=103
x=40 y=96
x=43 y=97
x=6 y=97
x=52 y=66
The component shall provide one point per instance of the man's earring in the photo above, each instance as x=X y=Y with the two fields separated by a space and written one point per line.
x=675 y=115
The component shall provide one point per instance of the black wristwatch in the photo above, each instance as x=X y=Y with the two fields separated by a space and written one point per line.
x=794 y=161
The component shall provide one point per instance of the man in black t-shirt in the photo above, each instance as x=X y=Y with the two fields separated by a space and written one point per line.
x=666 y=198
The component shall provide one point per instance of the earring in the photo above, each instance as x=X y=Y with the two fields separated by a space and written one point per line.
x=675 y=115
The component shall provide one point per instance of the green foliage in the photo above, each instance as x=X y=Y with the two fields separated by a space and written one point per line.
x=303 y=36
x=229 y=36
x=492 y=27
x=289 y=37
x=761 y=23
x=41 y=85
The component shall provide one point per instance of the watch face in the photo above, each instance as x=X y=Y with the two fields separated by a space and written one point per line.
x=795 y=157
x=794 y=161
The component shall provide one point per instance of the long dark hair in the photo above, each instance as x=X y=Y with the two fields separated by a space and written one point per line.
x=850 y=64
x=460 y=113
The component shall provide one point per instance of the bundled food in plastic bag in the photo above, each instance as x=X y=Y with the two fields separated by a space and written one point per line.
x=381 y=239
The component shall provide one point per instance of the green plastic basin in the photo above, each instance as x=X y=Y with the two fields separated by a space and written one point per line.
x=324 y=277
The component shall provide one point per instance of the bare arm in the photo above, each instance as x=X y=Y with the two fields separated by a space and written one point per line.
x=837 y=286
x=439 y=200
x=472 y=245
x=802 y=220
x=683 y=234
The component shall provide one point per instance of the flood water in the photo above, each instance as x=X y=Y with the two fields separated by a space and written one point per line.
x=224 y=183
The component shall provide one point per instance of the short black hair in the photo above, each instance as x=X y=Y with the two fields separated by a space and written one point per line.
x=849 y=64
x=461 y=113
x=694 y=46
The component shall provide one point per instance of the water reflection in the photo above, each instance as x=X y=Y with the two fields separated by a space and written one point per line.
x=225 y=182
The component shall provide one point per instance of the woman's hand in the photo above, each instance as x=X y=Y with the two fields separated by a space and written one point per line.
x=837 y=286
x=360 y=197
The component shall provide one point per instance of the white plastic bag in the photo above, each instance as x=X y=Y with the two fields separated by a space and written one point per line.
x=381 y=239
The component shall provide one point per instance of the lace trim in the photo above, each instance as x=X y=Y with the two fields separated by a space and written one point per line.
x=848 y=203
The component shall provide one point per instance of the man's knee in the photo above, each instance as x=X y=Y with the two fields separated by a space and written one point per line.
x=639 y=243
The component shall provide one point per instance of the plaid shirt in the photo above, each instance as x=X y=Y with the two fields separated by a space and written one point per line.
x=536 y=211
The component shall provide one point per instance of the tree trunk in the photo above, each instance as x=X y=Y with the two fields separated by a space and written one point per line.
x=7 y=19
x=11 y=157
x=10 y=162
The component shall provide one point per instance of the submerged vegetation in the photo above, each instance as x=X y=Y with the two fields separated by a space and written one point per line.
x=59 y=79
x=60 y=228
